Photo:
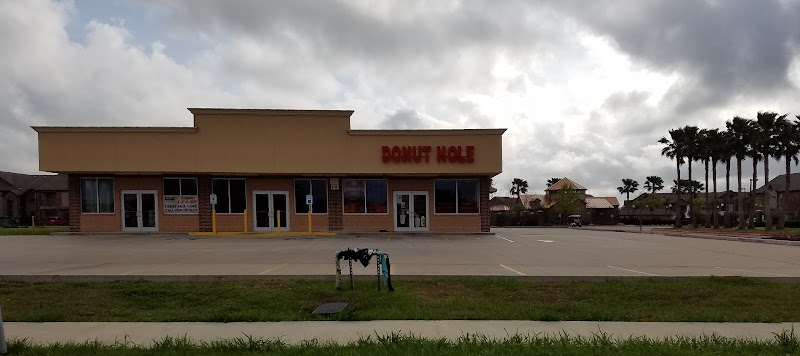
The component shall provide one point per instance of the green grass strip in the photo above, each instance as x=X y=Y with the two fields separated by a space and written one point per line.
x=785 y=343
x=714 y=299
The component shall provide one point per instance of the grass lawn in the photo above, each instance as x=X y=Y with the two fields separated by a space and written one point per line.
x=39 y=230
x=714 y=299
x=399 y=344
x=757 y=230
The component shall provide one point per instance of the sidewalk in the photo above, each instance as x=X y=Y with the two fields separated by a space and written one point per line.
x=345 y=331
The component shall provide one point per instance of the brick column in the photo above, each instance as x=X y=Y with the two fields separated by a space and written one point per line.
x=74 y=186
x=335 y=207
x=485 y=183
x=204 y=202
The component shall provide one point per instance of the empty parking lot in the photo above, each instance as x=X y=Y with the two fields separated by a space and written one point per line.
x=509 y=252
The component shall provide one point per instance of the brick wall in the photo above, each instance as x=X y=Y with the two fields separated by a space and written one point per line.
x=335 y=207
x=483 y=191
x=204 y=203
x=74 y=186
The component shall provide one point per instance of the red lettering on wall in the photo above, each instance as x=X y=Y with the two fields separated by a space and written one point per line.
x=386 y=153
x=444 y=154
x=396 y=154
x=441 y=153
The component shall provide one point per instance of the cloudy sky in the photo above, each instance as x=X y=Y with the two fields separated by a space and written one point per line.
x=585 y=88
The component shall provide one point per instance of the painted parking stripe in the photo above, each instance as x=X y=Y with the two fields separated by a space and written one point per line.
x=548 y=241
x=744 y=270
x=274 y=268
x=445 y=237
x=513 y=270
x=504 y=238
x=630 y=270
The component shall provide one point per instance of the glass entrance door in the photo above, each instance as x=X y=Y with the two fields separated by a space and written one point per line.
x=271 y=209
x=139 y=210
x=411 y=211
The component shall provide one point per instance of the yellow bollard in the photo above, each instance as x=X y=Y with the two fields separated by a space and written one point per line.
x=309 y=220
x=245 y=220
x=214 y=221
x=279 y=221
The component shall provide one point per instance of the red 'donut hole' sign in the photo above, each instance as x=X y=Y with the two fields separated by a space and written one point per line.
x=452 y=154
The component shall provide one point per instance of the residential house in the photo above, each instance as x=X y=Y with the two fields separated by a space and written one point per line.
x=593 y=210
x=24 y=196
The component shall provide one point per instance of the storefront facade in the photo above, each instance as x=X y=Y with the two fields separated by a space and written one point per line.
x=257 y=168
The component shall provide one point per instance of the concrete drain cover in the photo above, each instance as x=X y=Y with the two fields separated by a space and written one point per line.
x=330 y=308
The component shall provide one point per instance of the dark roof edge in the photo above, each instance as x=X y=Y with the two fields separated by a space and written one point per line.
x=41 y=129
x=270 y=112
x=442 y=132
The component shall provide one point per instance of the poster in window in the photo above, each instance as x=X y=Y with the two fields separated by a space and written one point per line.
x=180 y=204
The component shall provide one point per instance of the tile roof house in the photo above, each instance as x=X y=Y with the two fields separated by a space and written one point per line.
x=791 y=197
x=593 y=210
x=23 y=196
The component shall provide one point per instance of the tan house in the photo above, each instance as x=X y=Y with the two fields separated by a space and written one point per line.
x=593 y=210
x=261 y=170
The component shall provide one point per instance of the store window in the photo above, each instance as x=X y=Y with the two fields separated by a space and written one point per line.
x=97 y=195
x=365 y=196
x=180 y=196
x=318 y=188
x=231 y=196
x=456 y=196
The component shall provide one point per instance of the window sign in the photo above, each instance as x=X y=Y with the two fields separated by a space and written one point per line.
x=309 y=199
x=180 y=196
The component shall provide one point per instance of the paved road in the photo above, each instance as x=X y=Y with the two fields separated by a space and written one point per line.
x=346 y=331
x=510 y=252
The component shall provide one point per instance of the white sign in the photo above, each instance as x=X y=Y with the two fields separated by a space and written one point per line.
x=309 y=199
x=181 y=204
x=334 y=183
x=213 y=199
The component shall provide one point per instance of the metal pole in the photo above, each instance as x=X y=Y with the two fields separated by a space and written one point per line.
x=3 y=348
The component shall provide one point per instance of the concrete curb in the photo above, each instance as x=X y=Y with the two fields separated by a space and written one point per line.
x=708 y=236
x=369 y=278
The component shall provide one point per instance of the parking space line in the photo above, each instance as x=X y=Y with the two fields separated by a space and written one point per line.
x=548 y=241
x=513 y=270
x=445 y=237
x=274 y=268
x=504 y=238
x=744 y=270
x=388 y=237
x=630 y=270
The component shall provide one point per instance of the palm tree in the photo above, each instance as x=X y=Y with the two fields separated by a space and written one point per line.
x=726 y=151
x=690 y=149
x=628 y=186
x=789 y=149
x=753 y=142
x=654 y=183
x=767 y=146
x=704 y=155
x=714 y=141
x=740 y=130
x=673 y=149
x=519 y=186
x=552 y=181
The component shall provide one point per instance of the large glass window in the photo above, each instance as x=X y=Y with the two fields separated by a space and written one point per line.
x=231 y=196
x=456 y=196
x=97 y=195
x=318 y=188
x=364 y=196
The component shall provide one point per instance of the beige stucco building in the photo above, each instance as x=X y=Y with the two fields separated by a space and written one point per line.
x=256 y=168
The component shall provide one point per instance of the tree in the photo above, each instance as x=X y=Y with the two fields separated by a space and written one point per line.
x=715 y=141
x=628 y=186
x=673 y=150
x=704 y=154
x=567 y=203
x=690 y=149
x=519 y=186
x=753 y=142
x=789 y=149
x=653 y=184
x=687 y=187
x=740 y=130
x=552 y=181
x=726 y=151
x=767 y=146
